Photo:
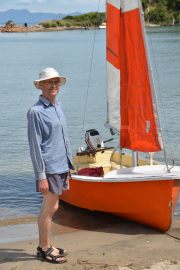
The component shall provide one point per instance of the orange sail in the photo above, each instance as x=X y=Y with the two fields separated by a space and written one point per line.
x=136 y=118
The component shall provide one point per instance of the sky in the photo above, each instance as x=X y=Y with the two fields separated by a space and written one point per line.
x=55 y=6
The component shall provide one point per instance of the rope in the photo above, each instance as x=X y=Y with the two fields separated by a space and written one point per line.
x=89 y=77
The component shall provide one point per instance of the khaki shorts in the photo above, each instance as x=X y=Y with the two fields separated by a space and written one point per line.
x=57 y=183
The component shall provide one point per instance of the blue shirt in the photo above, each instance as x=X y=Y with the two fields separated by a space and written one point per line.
x=48 y=139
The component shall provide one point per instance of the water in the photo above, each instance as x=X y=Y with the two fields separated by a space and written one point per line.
x=24 y=55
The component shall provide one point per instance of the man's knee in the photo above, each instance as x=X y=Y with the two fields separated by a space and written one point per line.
x=55 y=208
x=53 y=203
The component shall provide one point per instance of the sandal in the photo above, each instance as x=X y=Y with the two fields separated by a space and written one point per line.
x=49 y=257
x=62 y=252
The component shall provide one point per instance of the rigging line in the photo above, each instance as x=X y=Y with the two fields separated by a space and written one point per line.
x=89 y=76
x=162 y=104
x=154 y=93
x=173 y=236
x=157 y=119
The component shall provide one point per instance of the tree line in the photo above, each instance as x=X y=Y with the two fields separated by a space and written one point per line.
x=91 y=19
x=162 y=11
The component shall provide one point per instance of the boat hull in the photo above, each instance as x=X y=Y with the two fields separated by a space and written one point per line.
x=150 y=203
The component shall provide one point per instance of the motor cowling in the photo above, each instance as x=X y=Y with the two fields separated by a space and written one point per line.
x=93 y=139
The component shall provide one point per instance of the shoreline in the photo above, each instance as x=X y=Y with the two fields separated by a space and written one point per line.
x=29 y=29
x=95 y=241
x=10 y=221
x=36 y=28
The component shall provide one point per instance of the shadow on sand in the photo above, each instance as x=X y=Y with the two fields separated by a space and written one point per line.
x=82 y=219
x=14 y=255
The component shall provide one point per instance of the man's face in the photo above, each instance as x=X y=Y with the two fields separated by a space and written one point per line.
x=50 y=88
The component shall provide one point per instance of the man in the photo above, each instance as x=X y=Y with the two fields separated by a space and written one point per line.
x=51 y=156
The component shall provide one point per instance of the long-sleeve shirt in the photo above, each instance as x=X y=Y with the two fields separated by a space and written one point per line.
x=48 y=139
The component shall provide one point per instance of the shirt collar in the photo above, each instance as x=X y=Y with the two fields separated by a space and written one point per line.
x=46 y=102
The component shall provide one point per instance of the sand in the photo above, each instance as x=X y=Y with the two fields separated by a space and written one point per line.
x=98 y=241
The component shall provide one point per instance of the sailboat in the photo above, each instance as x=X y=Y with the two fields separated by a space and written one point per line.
x=140 y=190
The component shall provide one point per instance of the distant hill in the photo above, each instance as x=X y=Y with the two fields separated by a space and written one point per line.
x=25 y=16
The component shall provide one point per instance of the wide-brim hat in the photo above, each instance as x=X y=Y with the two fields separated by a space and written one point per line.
x=49 y=73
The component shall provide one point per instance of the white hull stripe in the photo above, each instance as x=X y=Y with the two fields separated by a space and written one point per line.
x=127 y=179
x=115 y=3
x=125 y=5
x=135 y=174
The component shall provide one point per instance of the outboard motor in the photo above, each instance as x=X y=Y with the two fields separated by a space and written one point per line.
x=93 y=139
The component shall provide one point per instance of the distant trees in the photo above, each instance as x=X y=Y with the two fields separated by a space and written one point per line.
x=145 y=4
x=162 y=11
x=88 y=19
x=91 y=19
x=175 y=4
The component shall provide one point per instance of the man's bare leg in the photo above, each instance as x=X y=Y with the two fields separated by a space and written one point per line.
x=49 y=207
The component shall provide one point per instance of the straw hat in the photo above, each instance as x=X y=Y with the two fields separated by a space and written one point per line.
x=49 y=73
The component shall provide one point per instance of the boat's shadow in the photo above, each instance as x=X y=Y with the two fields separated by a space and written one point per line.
x=72 y=217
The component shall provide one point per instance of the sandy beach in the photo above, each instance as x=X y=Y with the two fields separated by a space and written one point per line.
x=98 y=241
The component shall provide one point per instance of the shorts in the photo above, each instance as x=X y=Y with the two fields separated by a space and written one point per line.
x=57 y=183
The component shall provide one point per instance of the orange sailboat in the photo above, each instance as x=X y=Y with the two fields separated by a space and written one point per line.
x=139 y=190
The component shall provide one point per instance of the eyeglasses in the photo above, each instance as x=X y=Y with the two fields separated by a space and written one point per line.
x=52 y=83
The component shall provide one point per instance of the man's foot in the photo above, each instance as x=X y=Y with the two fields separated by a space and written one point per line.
x=59 y=251
x=50 y=256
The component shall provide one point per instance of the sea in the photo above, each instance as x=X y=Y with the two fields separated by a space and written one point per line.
x=80 y=56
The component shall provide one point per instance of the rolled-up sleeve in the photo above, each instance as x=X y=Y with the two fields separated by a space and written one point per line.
x=35 y=140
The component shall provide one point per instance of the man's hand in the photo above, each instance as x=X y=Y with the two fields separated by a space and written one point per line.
x=43 y=186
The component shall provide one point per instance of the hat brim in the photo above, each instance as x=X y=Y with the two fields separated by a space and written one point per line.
x=37 y=82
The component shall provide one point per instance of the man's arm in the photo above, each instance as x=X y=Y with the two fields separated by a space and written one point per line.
x=35 y=140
